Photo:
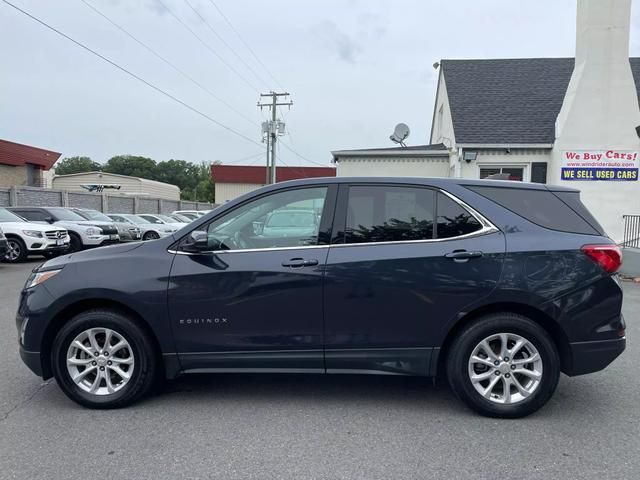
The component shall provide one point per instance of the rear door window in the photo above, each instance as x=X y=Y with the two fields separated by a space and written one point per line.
x=541 y=207
x=387 y=213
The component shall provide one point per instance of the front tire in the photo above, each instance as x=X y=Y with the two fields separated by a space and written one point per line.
x=150 y=236
x=17 y=251
x=102 y=359
x=503 y=365
x=75 y=243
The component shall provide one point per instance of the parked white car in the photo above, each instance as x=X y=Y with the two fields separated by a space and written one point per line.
x=83 y=233
x=192 y=214
x=148 y=230
x=159 y=219
x=26 y=238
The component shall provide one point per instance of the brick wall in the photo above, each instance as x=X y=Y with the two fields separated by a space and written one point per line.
x=35 y=197
x=5 y=199
x=40 y=197
x=85 y=200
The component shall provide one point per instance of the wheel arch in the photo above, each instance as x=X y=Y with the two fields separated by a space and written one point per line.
x=80 y=306
x=556 y=333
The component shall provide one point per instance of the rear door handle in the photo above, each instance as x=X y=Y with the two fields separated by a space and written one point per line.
x=300 y=262
x=462 y=255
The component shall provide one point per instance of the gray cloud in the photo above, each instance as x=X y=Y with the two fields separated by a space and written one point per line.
x=347 y=47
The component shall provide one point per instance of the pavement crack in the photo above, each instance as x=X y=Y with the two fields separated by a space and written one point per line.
x=41 y=387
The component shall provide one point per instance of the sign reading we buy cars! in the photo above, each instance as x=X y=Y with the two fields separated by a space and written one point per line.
x=593 y=165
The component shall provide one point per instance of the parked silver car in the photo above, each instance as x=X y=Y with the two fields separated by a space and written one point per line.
x=148 y=230
x=127 y=231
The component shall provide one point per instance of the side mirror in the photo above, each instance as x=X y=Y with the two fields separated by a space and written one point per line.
x=48 y=219
x=196 y=242
x=258 y=228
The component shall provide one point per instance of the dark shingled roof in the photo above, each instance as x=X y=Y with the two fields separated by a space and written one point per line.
x=509 y=101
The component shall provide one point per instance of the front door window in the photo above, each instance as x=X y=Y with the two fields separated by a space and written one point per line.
x=285 y=219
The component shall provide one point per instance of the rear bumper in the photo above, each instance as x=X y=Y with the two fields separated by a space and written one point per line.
x=589 y=357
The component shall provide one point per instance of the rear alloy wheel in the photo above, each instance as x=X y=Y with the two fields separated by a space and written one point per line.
x=150 y=236
x=102 y=359
x=503 y=365
x=16 y=250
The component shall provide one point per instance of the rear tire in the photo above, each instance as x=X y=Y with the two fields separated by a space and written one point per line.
x=17 y=251
x=489 y=380
x=100 y=373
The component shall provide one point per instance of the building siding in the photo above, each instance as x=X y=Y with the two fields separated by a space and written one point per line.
x=229 y=191
x=129 y=185
x=393 y=167
x=12 y=175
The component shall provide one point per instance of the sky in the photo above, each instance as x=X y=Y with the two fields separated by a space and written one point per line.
x=354 y=69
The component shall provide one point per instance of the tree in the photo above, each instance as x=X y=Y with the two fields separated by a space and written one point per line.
x=131 y=165
x=70 y=165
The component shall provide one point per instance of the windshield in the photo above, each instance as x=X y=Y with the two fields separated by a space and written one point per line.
x=93 y=215
x=137 y=220
x=7 y=216
x=64 y=214
x=166 y=218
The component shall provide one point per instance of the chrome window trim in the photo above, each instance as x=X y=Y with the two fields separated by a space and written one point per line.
x=487 y=228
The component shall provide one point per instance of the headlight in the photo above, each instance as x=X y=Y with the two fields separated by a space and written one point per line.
x=40 y=277
x=32 y=233
x=92 y=231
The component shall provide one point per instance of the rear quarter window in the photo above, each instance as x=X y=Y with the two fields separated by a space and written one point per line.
x=541 y=207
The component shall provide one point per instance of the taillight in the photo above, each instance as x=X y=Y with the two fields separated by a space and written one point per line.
x=609 y=257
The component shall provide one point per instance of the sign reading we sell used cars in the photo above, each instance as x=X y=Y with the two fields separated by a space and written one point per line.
x=590 y=165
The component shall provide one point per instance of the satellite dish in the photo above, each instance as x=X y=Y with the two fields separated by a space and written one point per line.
x=400 y=134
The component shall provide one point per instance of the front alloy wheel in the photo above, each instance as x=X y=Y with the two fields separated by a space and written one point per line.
x=100 y=361
x=103 y=359
x=16 y=251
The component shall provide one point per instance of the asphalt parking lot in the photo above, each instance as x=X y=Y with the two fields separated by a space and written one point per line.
x=324 y=427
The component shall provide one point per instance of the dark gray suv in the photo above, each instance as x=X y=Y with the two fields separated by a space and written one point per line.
x=497 y=286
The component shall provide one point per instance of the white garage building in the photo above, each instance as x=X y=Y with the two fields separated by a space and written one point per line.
x=125 y=184
x=572 y=122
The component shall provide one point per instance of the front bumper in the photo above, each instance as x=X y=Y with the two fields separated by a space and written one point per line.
x=100 y=240
x=593 y=356
x=32 y=360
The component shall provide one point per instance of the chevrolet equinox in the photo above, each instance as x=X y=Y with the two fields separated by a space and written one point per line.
x=497 y=286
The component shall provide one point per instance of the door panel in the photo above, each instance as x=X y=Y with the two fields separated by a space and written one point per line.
x=247 y=301
x=401 y=296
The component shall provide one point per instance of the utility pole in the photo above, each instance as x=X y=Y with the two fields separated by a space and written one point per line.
x=272 y=129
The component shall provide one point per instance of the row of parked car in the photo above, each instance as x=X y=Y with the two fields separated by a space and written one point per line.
x=52 y=231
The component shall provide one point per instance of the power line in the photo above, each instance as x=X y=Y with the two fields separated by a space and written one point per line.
x=172 y=65
x=243 y=159
x=217 y=35
x=302 y=156
x=208 y=47
x=246 y=44
x=128 y=72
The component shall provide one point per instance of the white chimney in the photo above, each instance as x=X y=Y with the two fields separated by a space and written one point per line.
x=601 y=103
x=600 y=114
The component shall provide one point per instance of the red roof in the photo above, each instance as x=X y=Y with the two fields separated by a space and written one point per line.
x=12 y=153
x=257 y=175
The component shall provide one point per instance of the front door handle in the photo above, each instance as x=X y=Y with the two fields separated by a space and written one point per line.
x=462 y=255
x=300 y=262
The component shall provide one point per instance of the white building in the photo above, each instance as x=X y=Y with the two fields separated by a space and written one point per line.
x=573 y=122
x=126 y=185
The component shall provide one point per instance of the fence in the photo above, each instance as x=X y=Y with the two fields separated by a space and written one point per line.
x=103 y=202
x=631 y=236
